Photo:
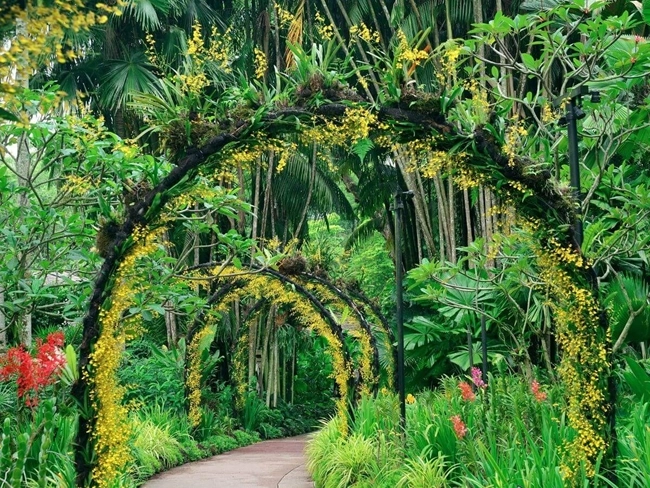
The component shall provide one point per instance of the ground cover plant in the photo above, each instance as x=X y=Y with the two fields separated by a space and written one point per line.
x=509 y=432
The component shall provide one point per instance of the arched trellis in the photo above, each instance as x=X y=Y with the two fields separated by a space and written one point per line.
x=586 y=366
x=369 y=376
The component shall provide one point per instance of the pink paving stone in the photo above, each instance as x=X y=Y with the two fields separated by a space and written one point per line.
x=270 y=464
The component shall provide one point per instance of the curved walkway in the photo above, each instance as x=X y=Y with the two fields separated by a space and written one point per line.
x=270 y=464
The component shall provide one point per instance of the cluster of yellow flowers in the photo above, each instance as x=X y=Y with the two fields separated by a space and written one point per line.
x=284 y=16
x=41 y=31
x=406 y=55
x=193 y=381
x=466 y=176
x=479 y=104
x=261 y=64
x=448 y=59
x=366 y=352
x=194 y=80
x=356 y=125
x=364 y=32
x=127 y=147
x=150 y=50
x=77 y=185
x=365 y=361
x=239 y=367
x=514 y=139
x=548 y=115
x=112 y=430
x=325 y=31
x=584 y=364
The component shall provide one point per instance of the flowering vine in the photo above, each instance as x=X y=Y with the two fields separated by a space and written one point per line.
x=585 y=367
x=112 y=430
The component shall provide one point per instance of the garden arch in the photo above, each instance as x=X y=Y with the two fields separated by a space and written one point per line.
x=548 y=213
x=260 y=284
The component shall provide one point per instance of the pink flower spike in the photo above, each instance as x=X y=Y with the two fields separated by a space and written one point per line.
x=466 y=391
x=477 y=378
x=539 y=395
x=459 y=426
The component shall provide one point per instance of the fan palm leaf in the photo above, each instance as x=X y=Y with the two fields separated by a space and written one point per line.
x=122 y=78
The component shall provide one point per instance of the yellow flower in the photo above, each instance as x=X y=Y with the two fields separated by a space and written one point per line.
x=410 y=399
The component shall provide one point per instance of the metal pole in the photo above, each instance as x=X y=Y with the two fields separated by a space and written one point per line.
x=574 y=165
x=484 y=348
x=399 y=207
x=470 y=348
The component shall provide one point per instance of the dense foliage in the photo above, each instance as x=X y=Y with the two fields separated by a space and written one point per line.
x=199 y=195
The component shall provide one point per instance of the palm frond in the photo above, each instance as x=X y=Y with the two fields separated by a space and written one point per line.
x=121 y=78
x=145 y=13
x=362 y=232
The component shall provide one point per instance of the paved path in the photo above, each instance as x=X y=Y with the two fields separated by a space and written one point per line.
x=269 y=464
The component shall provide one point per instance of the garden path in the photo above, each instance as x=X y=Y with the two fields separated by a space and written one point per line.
x=270 y=464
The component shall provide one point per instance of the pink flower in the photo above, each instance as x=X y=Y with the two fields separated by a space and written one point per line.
x=459 y=426
x=466 y=391
x=477 y=378
x=539 y=395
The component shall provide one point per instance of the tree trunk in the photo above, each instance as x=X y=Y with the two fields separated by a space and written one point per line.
x=3 y=322
x=23 y=171
x=312 y=179
x=267 y=195
x=170 y=324
x=452 y=218
x=419 y=203
x=252 y=348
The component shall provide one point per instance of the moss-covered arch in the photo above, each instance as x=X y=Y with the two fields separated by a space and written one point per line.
x=296 y=291
x=582 y=330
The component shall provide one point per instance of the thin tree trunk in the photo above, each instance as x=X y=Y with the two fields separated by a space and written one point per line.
x=271 y=367
x=450 y=30
x=277 y=371
x=418 y=203
x=276 y=32
x=293 y=371
x=252 y=348
x=264 y=370
x=441 y=216
x=477 y=6
x=3 y=321
x=256 y=203
x=468 y=216
x=267 y=195
x=23 y=171
x=312 y=179
x=241 y=221
x=452 y=219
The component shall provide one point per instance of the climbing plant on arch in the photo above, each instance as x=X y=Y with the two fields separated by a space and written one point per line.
x=549 y=213
x=308 y=308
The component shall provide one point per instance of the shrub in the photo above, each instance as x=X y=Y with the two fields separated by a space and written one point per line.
x=153 y=448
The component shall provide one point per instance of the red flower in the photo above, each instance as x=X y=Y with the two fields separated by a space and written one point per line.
x=539 y=395
x=32 y=374
x=466 y=391
x=459 y=426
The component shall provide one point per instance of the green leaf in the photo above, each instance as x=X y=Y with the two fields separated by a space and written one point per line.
x=529 y=61
x=362 y=147
x=5 y=114
x=646 y=11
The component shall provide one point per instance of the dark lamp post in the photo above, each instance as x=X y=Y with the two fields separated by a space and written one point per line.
x=399 y=210
x=570 y=119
